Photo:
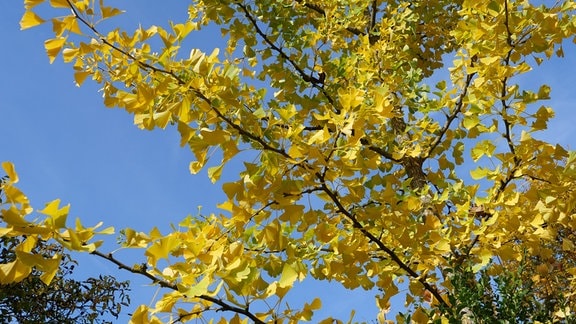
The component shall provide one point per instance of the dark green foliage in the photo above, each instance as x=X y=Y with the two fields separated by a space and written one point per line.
x=65 y=300
x=510 y=297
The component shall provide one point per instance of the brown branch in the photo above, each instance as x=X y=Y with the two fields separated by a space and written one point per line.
x=503 y=184
x=141 y=271
x=393 y=256
x=321 y=11
x=507 y=24
x=180 y=81
x=244 y=132
x=184 y=315
x=507 y=125
x=504 y=92
x=165 y=284
x=317 y=83
x=116 y=48
x=534 y=178
x=452 y=116
x=374 y=11
x=378 y=150
x=299 y=194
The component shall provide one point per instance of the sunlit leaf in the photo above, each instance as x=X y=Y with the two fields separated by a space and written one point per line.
x=59 y=3
x=53 y=47
x=288 y=276
x=57 y=215
x=30 y=19
x=10 y=171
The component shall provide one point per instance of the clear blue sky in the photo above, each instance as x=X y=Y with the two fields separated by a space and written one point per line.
x=66 y=144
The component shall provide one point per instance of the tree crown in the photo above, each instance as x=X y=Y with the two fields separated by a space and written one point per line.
x=358 y=149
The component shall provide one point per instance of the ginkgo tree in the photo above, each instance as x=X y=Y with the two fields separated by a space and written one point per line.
x=392 y=142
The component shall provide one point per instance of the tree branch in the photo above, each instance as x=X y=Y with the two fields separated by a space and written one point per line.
x=321 y=11
x=378 y=150
x=452 y=116
x=507 y=125
x=393 y=256
x=180 y=81
x=165 y=284
x=317 y=83
x=116 y=48
x=374 y=12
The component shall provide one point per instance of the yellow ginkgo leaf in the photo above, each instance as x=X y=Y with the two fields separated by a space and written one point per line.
x=29 y=4
x=288 y=276
x=53 y=47
x=80 y=76
x=57 y=215
x=10 y=171
x=200 y=288
x=13 y=217
x=59 y=4
x=12 y=272
x=30 y=19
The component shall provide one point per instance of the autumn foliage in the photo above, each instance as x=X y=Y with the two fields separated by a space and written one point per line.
x=392 y=141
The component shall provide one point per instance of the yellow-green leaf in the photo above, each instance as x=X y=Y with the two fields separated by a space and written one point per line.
x=479 y=173
x=215 y=172
x=484 y=147
x=201 y=288
x=288 y=276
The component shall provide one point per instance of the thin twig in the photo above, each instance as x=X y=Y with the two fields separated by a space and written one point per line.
x=452 y=116
x=317 y=83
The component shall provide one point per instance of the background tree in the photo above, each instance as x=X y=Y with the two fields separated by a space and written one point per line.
x=511 y=296
x=64 y=300
x=372 y=162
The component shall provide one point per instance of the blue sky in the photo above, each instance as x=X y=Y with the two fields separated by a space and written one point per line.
x=66 y=144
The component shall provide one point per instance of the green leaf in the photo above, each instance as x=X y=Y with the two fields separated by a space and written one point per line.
x=199 y=289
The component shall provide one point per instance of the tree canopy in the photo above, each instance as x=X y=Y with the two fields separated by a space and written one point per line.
x=387 y=142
